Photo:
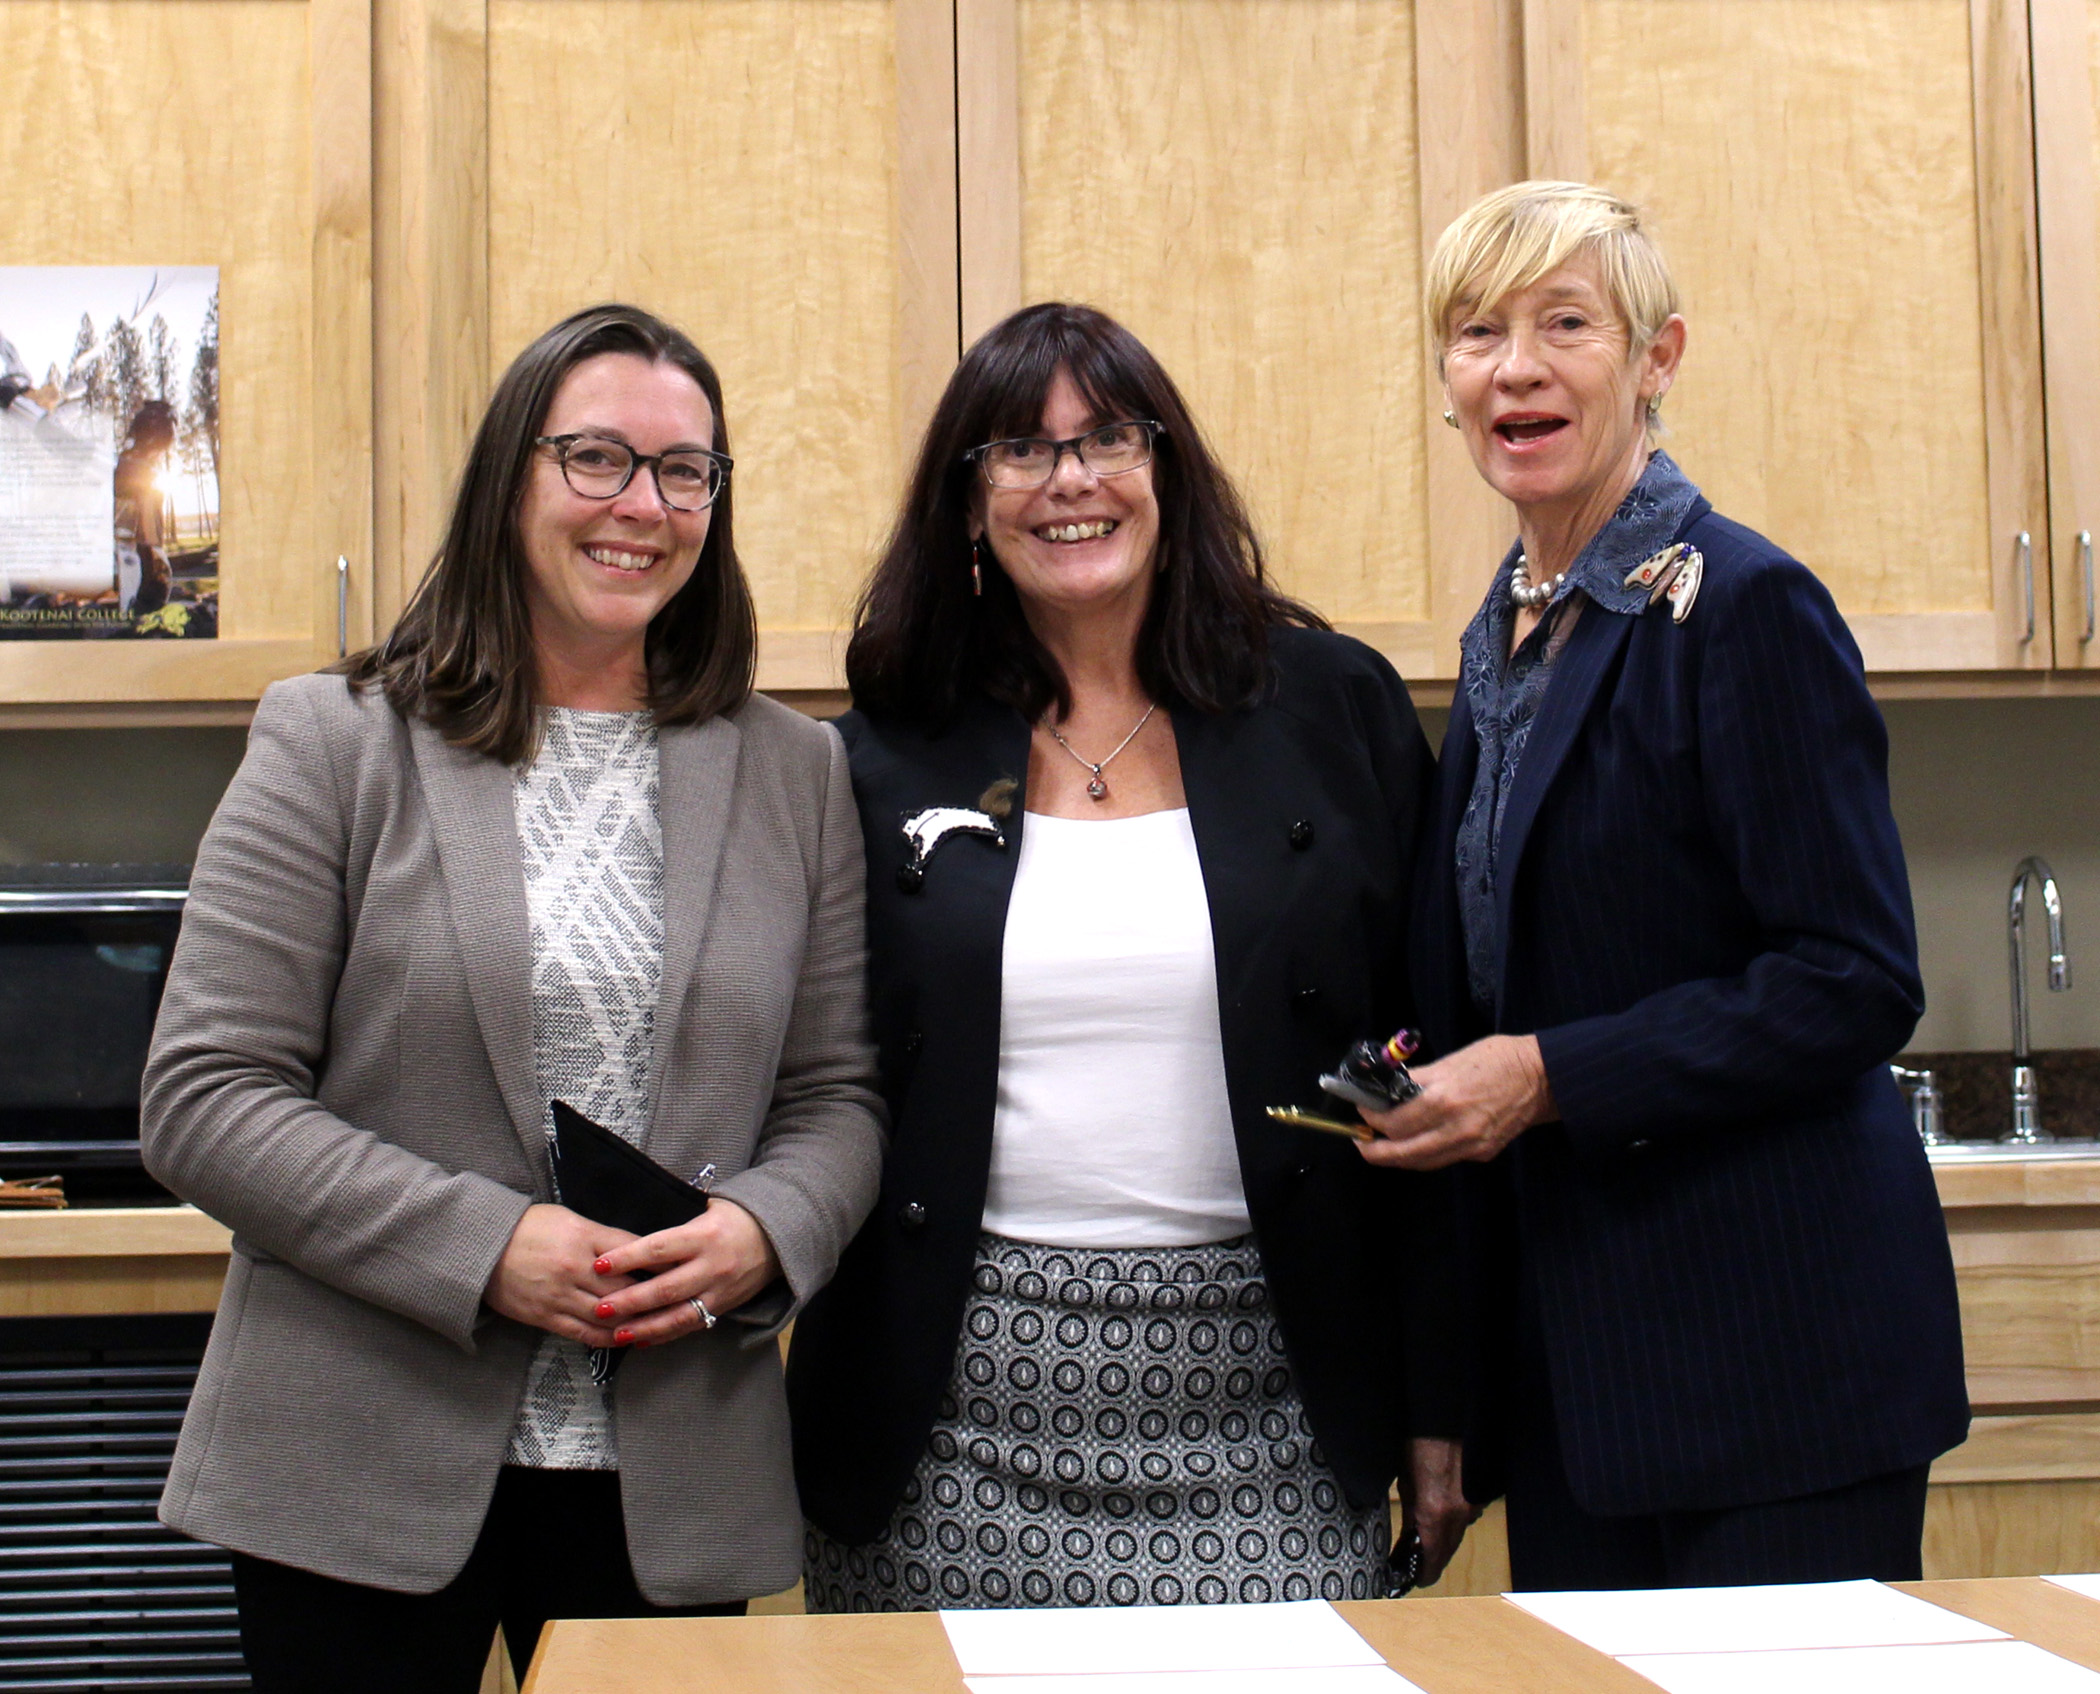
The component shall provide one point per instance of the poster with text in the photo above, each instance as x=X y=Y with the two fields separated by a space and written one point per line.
x=109 y=452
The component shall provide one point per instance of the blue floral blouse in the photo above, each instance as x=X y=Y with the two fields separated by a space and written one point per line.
x=1505 y=694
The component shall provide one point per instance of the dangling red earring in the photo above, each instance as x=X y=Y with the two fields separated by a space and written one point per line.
x=976 y=570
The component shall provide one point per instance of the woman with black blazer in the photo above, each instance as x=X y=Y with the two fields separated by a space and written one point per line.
x=1139 y=832
x=1666 y=952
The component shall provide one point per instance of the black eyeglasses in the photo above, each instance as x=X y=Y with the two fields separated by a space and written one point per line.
x=1028 y=461
x=688 y=479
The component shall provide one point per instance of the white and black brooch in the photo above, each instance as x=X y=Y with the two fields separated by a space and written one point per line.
x=926 y=830
x=1672 y=575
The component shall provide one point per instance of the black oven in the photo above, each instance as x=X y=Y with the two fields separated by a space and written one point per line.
x=84 y=953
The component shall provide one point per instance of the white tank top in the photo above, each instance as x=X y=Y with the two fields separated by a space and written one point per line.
x=1113 y=1128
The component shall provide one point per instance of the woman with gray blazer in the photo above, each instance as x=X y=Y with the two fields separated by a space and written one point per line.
x=544 y=842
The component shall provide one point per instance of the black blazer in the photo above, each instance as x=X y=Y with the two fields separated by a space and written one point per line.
x=1731 y=1240
x=1305 y=811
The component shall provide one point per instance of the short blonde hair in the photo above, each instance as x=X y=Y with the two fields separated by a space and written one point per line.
x=1518 y=235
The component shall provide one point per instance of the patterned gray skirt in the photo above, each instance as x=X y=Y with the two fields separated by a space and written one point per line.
x=1121 y=1428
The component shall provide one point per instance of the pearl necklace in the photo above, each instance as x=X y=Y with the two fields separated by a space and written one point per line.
x=1526 y=595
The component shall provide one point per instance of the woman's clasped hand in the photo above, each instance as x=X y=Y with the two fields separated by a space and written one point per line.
x=607 y=1288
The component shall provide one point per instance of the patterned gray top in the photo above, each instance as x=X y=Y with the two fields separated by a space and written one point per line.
x=594 y=885
x=1505 y=694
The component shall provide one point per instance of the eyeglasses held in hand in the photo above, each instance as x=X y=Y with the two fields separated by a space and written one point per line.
x=688 y=479
x=1027 y=461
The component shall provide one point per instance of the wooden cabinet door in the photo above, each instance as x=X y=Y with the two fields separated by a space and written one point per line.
x=778 y=181
x=1249 y=186
x=1845 y=192
x=234 y=133
x=2067 y=176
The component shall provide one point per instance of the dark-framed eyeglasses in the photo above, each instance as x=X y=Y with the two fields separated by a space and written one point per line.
x=688 y=479
x=1028 y=461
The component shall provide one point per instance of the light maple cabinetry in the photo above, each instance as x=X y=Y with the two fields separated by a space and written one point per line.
x=1882 y=212
x=234 y=133
x=1250 y=186
x=2067 y=176
x=1845 y=192
x=754 y=186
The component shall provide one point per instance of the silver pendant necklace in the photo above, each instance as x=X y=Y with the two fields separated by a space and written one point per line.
x=1098 y=788
x=1526 y=595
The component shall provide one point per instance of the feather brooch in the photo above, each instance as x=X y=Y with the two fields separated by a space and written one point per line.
x=1672 y=575
x=926 y=830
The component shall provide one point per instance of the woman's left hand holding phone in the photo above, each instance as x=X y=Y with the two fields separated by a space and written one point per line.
x=722 y=1258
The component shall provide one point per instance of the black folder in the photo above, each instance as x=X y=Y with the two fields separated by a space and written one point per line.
x=611 y=1181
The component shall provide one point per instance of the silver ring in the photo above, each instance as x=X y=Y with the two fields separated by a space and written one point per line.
x=708 y=1320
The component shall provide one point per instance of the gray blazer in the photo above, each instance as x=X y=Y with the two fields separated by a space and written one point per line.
x=343 y=1073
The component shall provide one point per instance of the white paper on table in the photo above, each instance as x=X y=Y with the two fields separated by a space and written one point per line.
x=1967 y=1667
x=1091 y=1640
x=2089 y=1586
x=1332 y=1679
x=1739 y=1620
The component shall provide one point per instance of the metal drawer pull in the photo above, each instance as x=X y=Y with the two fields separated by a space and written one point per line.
x=2085 y=578
x=2025 y=543
x=342 y=607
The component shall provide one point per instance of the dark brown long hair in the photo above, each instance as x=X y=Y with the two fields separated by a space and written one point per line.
x=922 y=640
x=462 y=655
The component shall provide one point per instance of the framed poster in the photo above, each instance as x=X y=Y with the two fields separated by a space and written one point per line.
x=109 y=452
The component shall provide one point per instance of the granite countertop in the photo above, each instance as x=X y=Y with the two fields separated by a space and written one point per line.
x=1976 y=1091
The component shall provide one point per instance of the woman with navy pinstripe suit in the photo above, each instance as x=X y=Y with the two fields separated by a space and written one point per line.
x=1665 y=951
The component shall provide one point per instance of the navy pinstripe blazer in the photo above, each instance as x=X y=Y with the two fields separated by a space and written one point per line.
x=1731 y=1239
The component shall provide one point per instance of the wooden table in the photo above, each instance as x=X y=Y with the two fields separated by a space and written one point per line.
x=1470 y=1646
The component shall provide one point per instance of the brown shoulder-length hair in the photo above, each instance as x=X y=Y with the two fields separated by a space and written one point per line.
x=922 y=640
x=461 y=655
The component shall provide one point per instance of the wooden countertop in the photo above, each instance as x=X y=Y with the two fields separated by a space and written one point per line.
x=112 y=1232
x=183 y=1231
x=1465 y=1646
x=2019 y=1182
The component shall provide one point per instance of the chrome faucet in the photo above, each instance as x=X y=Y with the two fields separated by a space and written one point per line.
x=2026 y=1100
x=1927 y=1116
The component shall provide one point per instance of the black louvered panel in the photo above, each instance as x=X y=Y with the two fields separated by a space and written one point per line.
x=95 y=1593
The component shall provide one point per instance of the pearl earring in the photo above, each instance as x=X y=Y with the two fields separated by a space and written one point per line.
x=1450 y=417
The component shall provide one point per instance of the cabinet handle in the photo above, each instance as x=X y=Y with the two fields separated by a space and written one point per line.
x=2085 y=577
x=342 y=607
x=2025 y=543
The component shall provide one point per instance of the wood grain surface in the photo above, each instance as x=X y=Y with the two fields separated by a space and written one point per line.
x=746 y=188
x=1472 y=1646
x=2024 y=1447
x=230 y=133
x=1235 y=180
x=431 y=349
x=2067 y=183
x=2030 y=1304
x=2052 y=1618
x=1810 y=167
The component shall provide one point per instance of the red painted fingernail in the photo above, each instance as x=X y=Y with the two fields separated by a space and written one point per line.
x=602 y=1266
x=605 y=1309
x=623 y=1338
